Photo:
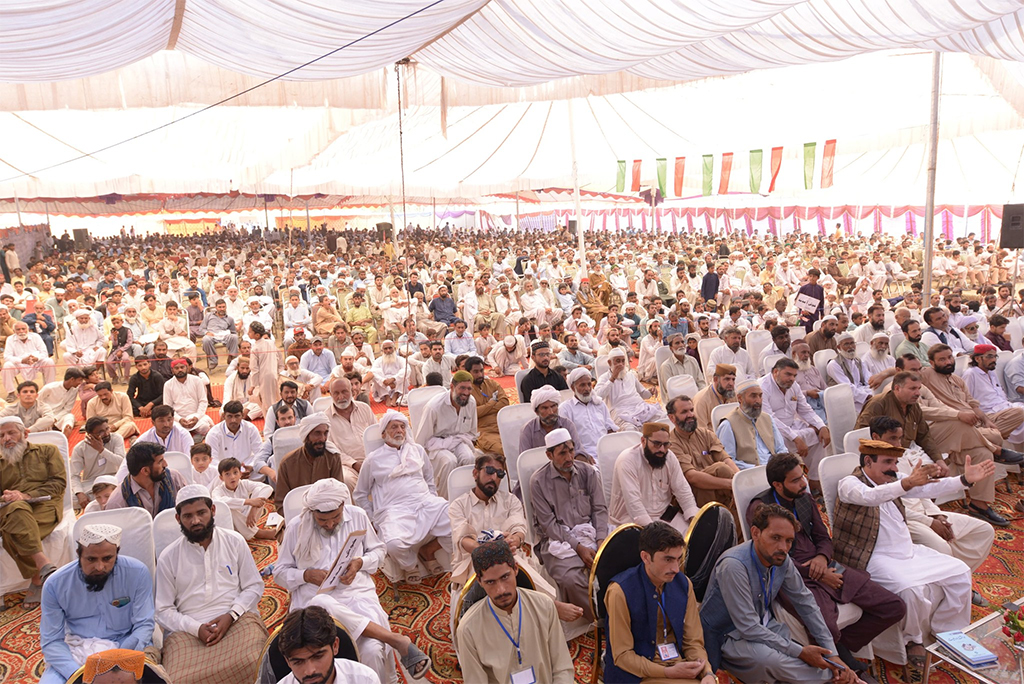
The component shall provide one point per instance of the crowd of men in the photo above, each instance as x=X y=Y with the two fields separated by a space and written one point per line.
x=313 y=331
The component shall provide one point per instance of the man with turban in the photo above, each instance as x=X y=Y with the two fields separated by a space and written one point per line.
x=626 y=398
x=544 y=401
x=397 y=490
x=448 y=428
x=85 y=345
x=648 y=485
x=312 y=544
x=102 y=601
x=508 y=357
x=390 y=376
x=592 y=417
x=316 y=459
x=847 y=369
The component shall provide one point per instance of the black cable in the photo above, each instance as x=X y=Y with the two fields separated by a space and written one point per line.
x=226 y=99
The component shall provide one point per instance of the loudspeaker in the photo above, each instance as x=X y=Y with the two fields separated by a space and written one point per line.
x=384 y=231
x=82 y=238
x=1011 y=235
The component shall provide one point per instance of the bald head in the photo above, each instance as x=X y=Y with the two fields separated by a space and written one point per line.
x=341 y=394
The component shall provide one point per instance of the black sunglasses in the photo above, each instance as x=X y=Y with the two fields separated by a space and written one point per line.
x=491 y=470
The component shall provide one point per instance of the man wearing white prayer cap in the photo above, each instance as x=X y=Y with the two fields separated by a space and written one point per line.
x=588 y=414
x=104 y=600
x=879 y=364
x=747 y=433
x=397 y=490
x=85 y=344
x=312 y=542
x=825 y=336
x=848 y=369
x=316 y=459
x=207 y=597
x=625 y=397
x=508 y=357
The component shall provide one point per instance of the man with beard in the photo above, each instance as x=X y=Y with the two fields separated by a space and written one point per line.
x=161 y=361
x=719 y=391
x=85 y=344
x=310 y=546
x=874 y=324
x=731 y=353
x=508 y=357
x=593 y=417
x=448 y=429
x=218 y=328
x=104 y=596
x=29 y=471
x=847 y=369
x=481 y=308
x=440 y=362
x=983 y=384
x=939 y=331
x=100 y=453
x=486 y=650
x=490 y=397
x=349 y=419
x=309 y=382
x=570 y=517
x=647 y=485
x=878 y=364
x=591 y=301
x=749 y=435
x=208 y=591
x=545 y=403
x=166 y=432
x=390 y=376
x=912 y=344
x=793 y=417
x=824 y=336
x=540 y=375
x=308 y=640
x=741 y=632
x=26 y=355
x=708 y=469
x=396 y=489
x=149 y=483
x=289 y=397
x=625 y=397
x=680 y=363
x=830 y=584
x=115 y=407
x=780 y=345
x=572 y=357
x=808 y=377
x=240 y=386
x=186 y=394
x=315 y=460
x=443 y=307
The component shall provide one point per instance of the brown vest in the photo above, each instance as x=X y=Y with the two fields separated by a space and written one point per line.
x=855 y=529
x=743 y=431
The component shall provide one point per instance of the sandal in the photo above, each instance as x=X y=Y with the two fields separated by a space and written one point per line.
x=45 y=572
x=33 y=597
x=416 y=662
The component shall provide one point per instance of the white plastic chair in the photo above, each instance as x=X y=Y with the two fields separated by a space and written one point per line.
x=680 y=385
x=895 y=340
x=757 y=342
x=797 y=332
x=511 y=420
x=830 y=471
x=165 y=530
x=321 y=404
x=460 y=481
x=962 y=362
x=747 y=484
x=286 y=440
x=530 y=461
x=1016 y=335
x=372 y=439
x=418 y=399
x=181 y=463
x=705 y=347
x=661 y=355
x=608 y=449
x=136 y=532
x=565 y=395
x=840 y=412
x=292 y=505
x=520 y=374
x=851 y=443
x=719 y=413
x=601 y=364
x=769 y=363
x=862 y=348
x=821 y=359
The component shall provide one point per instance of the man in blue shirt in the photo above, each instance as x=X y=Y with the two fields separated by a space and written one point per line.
x=443 y=306
x=459 y=341
x=317 y=359
x=102 y=595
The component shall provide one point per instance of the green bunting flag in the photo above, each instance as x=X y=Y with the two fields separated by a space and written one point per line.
x=709 y=171
x=755 y=171
x=662 y=174
x=809 y=165
x=620 y=179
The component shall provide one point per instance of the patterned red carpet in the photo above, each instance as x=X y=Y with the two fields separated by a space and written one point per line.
x=421 y=611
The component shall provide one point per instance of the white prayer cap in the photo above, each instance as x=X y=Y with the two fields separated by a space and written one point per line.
x=830 y=317
x=544 y=394
x=250 y=300
x=105 y=479
x=84 y=311
x=310 y=423
x=967 y=320
x=842 y=337
x=880 y=336
x=576 y=375
x=510 y=340
x=746 y=385
x=392 y=415
x=292 y=357
x=12 y=419
x=616 y=352
x=347 y=351
x=190 y=492
x=556 y=437
x=94 y=534
x=771 y=316
x=325 y=496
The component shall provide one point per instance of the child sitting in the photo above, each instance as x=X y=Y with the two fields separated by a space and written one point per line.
x=204 y=468
x=246 y=499
x=102 y=488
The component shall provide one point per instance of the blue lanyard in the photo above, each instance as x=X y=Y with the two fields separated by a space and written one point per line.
x=767 y=594
x=664 y=613
x=810 y=523
x=519 y=632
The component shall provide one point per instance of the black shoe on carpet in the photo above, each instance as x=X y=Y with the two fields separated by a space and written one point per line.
x=978 y=600
x=988 y=515
x=1010 y=457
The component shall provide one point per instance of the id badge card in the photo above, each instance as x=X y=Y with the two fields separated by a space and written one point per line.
x=667 y=652
x=526 y=676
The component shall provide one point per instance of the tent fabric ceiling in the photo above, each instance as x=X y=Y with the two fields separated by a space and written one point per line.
x=491 y=42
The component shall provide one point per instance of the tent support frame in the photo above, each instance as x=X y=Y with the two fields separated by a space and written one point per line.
x=933 y=152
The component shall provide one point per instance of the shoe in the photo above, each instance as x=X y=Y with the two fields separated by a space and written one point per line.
x=1019 y=506
x=989 y=515
x=978 y=600
x=1010 y=457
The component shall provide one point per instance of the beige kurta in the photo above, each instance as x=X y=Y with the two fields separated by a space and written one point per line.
x=642 y=493
x=706 y=400
x=487 y=656
x=118 y=412
x=347 y=436
x=470 y=515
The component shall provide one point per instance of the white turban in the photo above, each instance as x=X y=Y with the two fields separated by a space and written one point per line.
x=12 y=419
x=576 y=375
x=391 y=415
x=324 y=496
x=616 y=352
x=190 y=492
x=94 y=534
x=842 y=337
x=310 y=423
x=544 y=394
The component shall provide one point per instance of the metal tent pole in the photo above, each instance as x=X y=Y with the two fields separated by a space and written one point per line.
x=933 y=152
x=575 y=195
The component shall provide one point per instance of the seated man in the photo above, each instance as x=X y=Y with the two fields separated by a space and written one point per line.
x=448 y=429
x=209 y=613
x=309 y=382
x=290 y=397
x=308 y=641
x=671 y=646
x=103 y=595
x=316 y=459
x=85 y=344
x=149 y=483
x=349 y=419
x=490 y=397
x=440 y=362
x=984 y=385
x=545 y=402
x=390 y=376
x=953 y=534
x=312 y=542
x=647 y=485
x=626 y=398
x=708 y=469
x=218 y=328
x=508 y=357
x=847 y=369
x=793 y=417
x=810 y=380
x=731 y=353
x=25 y=354
x=830 y=584
x=870 y=533
x=747 y=433
x=680 y=363
x=186 y=394
x=459 y=341
x=121 y=666
x=570 y=518
x=486 y=651
x=741 y=632
x=721 y=390
x=879 y=365
x=593 y=417
x=541 y=374
x=29 y=409
x=166 y=432
x=116 y=407
x=28 y=471
x=238 y=439
x=240 y=385
x=100 y=453
x=61 y=396
x=396 y=489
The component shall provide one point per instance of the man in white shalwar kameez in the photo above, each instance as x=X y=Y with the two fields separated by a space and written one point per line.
x=805 y=433
x=731 y=353
x=878 y=364
x=25 y=353
x=448 y=429
x=390 y=377
x=983 y=384
x=309 y=382
x=870 y=533
x=396 y=489
x=647 y=367
x=312 y=542
x=508 y=357
x=847 y=369
x=84 y=344
x=240 y=385
x=625 y=397
x=534 y=305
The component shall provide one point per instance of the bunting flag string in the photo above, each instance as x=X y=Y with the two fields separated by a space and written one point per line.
x=755 y=171
x=809 y=149
x=636 y=176
x=680 y=168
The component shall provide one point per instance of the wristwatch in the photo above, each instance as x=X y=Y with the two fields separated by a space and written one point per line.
x=963 y=479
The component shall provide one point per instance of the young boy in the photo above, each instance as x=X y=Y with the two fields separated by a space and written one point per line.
x=246 y=499
x=204 y=468
x=102 y=488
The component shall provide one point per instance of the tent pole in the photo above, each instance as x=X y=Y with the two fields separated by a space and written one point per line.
x=575 y=195
x=309 y=224
x=933 y=152
x=517 y=207
x=17 y=208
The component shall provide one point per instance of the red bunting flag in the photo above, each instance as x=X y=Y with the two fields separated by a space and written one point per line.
x=723 y=183
x=680 y=167
x=776 y=165
x=636 y=176
x=827 y=162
